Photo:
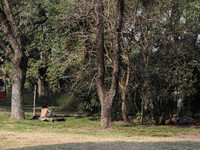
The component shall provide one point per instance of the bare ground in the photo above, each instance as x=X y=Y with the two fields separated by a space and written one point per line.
x=57 y=141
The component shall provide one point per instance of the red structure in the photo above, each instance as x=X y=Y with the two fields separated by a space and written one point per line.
x=2 y=90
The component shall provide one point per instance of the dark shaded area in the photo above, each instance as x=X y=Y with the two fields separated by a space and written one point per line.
x=118 y=145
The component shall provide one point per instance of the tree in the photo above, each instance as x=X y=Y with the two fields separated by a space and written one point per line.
x=106 y=97
x=170 y=33
x=39 y=46
x=14 y=50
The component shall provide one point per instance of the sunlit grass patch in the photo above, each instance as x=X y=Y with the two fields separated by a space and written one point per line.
x=89 y=125
x=4 y=116
x=159 y=131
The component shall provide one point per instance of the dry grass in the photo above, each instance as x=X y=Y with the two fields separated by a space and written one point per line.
x=47 y=140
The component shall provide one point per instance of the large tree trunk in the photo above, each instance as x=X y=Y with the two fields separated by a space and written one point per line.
x=18 y=80
x=106 y=109
x=17 y=110
x=16 y=55
x=106 y=97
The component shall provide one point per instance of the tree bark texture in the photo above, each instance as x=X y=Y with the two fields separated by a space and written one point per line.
x=42 y=89
x=18 y=80
x=124 y=86
x=106 y=97
x=124 y=109
x=16 y=54
x=17 y=110
x=180 y=104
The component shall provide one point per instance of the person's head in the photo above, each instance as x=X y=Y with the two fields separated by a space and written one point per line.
x=44 y=106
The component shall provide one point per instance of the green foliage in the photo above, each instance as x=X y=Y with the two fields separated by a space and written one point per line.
x=139 y=116
x=67 y=102
x=164 y=51
x=89 y=100
x=192 y=12
x=59 y=38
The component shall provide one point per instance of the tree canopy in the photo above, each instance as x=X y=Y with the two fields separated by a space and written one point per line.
x=68 y=47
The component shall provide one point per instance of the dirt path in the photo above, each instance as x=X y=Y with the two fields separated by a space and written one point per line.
x=57 y=141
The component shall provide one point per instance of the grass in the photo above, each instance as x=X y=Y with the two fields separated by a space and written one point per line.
x=83 y=132
x=89 y=126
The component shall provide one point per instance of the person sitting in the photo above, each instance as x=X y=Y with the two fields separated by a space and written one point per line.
x=46 y=114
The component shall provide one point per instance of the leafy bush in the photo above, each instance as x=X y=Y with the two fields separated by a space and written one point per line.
x=89 y=101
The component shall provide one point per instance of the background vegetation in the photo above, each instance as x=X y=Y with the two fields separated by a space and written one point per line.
x=160 y=56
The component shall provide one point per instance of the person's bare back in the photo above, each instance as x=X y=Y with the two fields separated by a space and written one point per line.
x=45 y=114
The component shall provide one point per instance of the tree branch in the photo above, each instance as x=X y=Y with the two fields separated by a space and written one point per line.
x=128 y=65
x=7 y=30
x=107 y=54
x=12 y=21
x=100 y=47
x=1 y=5
x=117 y=48
x=6 y=73
x=8 y=52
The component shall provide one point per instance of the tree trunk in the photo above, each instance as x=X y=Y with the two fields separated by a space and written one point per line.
x=42 y=85
x=189 y=109
x=124 y=110
x=40 y=93
x=145 y=95
x=106 y=97
x=106 y=109
x=180 y=105
x=124 y=86
x=142 y=111
x=42 y=90
x=16 y=54
x=17 y=110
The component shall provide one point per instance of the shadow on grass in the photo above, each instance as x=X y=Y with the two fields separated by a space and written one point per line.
x=129 y=125
x=118 y=145
x=62 y=116
x=94 y=117
x=79 y=117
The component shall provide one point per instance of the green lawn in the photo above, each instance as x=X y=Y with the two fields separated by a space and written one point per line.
x=83 y=132
x=87 y=125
